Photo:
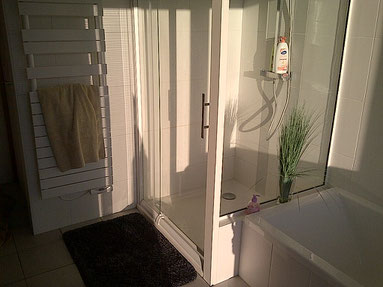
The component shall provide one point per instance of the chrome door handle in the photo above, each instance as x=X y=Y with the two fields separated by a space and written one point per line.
x=203 y=126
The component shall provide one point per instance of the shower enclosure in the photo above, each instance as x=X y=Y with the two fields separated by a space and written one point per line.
x=205 y=107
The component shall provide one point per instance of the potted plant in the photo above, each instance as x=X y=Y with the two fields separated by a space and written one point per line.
x=296 y=135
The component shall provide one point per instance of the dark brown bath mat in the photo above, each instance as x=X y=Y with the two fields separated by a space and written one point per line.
x=127 y=251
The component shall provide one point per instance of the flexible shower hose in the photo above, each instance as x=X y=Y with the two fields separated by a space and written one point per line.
x=288 y=92
x=270 y=135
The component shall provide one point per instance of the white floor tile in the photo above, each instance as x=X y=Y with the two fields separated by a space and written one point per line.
x=67 y=276
x=233 y=282
x=24 y=238
x=78 y=225
x=45 y=258
x=8 y=247
x=198 y=282
x=10 y=269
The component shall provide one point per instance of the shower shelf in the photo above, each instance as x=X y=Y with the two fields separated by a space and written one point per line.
x=272 y=75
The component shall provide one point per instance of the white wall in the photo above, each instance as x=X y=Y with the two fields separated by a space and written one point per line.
x=6 y=169
x=11 y=100
x=54 y=213
x=356 y=153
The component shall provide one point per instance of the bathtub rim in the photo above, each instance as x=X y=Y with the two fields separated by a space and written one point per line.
x=300 y=252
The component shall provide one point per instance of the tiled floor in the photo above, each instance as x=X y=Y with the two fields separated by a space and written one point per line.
x=43 y=260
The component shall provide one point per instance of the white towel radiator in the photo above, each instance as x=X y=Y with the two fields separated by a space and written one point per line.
x=64 y=43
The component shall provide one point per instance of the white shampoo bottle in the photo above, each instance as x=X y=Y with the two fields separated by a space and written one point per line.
x=281 y=64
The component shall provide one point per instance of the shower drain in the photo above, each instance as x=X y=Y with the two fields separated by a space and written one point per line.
x=229 y=196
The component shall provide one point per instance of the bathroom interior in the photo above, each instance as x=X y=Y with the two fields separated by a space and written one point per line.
x=192 y=112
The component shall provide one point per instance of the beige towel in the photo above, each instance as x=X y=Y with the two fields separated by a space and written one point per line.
x=72 y=118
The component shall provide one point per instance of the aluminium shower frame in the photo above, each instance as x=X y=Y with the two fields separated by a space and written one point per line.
x=206 y=264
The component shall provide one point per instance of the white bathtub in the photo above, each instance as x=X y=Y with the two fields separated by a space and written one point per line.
x=329 y=239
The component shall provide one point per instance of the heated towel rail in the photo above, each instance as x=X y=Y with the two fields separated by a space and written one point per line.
x=64 y=43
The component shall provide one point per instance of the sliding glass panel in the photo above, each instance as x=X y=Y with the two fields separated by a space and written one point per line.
x=315 y=33
x=184 y=57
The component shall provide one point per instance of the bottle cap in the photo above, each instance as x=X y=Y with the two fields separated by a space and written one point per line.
x=254 y=199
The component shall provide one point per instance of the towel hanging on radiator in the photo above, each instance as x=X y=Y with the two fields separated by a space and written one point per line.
x=72 y=116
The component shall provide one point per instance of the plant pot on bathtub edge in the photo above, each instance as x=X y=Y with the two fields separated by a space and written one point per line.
x=297 y=133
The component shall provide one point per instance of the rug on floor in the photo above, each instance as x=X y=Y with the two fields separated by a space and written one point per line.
x=127 y=251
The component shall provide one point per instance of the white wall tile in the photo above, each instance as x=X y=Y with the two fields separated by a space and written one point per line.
x=339 y=169
x=363 y=18
x=379 y=28
x=235 y=15
x=200 y=18
x=355 y=71
x=318 y=57
x=296 y=59
x=244 y=172
x=367 y=170
x=181 y=105
x=371 y=138
x=183 y=58
x=347 y=123
x=180 y=181
x=355 y=161
x=126 y=197
x=228 y=167
x=96 y=206
x=340 y=161
x=322 y=17
x=300 y=14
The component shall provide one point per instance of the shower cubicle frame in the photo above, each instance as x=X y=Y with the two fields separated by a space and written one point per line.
x=206 y=264
x=221 y=249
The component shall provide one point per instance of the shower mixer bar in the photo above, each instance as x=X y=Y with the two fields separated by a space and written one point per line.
x=203 y=126
x=276 y=76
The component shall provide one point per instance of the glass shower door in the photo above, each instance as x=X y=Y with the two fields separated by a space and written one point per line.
x=175 y=43
x=184 y=72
